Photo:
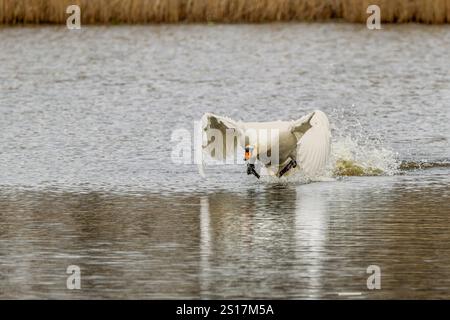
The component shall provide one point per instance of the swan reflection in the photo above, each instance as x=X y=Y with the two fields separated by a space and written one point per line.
x=311 y=222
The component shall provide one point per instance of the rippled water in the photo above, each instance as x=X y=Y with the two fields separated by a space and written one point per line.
x=86 y=176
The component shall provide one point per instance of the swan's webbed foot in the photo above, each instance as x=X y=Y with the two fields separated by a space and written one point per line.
x=251 y=170
x=289 y=166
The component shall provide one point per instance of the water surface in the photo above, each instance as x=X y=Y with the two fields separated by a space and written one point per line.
x=86 y=175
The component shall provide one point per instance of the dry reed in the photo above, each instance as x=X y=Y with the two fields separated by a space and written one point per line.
x=228 y=11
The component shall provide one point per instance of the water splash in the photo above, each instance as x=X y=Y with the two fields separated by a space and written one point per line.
x=352 y=157
x=355 y=151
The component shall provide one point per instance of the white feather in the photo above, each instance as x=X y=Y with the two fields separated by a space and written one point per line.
x=212 y=121
x=313 y=148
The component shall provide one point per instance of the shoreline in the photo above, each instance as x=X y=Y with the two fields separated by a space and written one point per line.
x=132 y=12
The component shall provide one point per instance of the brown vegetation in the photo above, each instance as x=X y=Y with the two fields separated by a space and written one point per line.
x=171 y=11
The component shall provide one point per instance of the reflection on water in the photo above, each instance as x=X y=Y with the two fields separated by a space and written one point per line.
x=306 y=241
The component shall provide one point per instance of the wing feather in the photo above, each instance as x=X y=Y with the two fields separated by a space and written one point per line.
x=313 y=142
x=219 y=127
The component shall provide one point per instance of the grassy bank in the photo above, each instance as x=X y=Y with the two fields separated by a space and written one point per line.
x=172 y=11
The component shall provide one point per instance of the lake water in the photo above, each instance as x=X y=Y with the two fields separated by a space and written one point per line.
x=87 y=177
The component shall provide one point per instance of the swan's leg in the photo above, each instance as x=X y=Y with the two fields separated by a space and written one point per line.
x=251 y=170
x=289 y=166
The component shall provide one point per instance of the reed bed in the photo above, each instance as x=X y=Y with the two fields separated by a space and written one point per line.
x=226 y=11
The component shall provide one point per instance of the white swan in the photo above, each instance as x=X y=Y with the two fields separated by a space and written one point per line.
x=278 y=146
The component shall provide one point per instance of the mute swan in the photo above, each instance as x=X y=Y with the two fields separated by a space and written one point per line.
x=278 y=146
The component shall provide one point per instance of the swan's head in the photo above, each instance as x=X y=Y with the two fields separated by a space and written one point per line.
x=248 y=152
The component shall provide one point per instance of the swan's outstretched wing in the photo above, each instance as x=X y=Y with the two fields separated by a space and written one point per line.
x=313 y=142
x=219 y=136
